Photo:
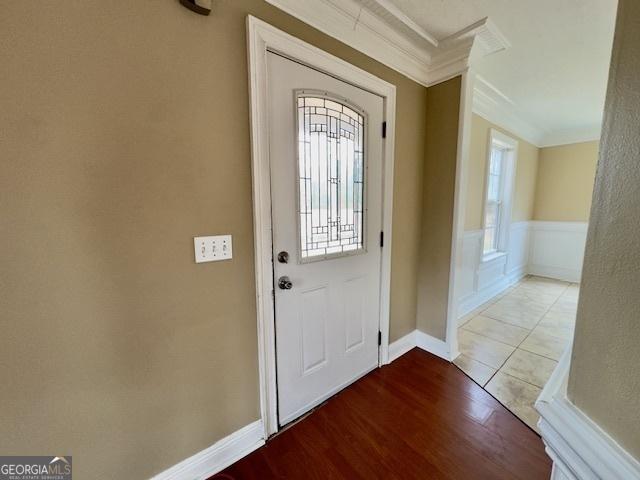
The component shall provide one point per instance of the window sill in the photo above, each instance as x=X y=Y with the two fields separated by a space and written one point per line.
x=490 y=257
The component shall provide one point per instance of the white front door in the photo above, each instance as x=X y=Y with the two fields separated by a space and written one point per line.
x=326 y=180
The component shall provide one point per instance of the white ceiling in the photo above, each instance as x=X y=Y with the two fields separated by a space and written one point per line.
x=555 y=72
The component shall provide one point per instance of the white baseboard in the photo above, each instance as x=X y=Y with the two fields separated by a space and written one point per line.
x=469 y=303
x=421 y=340
x=218 y=456
x=558 y=273
x=402 y=346
x=579 y=448
x=557 y=473
x=432 y=345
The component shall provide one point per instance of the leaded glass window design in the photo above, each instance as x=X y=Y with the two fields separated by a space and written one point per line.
x=331 y=176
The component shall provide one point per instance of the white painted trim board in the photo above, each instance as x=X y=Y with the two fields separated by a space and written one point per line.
x=417 y=338
x=218 y=456
x=381 y=31
x=579 y=448
x=402 y=346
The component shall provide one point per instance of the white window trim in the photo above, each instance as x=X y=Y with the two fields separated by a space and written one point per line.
x=511 y=155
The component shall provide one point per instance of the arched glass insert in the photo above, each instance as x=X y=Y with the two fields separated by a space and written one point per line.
x=330 y=177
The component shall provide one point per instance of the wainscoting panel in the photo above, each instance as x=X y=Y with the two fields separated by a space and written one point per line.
x=519 y=245
x=482 y=280
x=548 y=249
x=557 y=249
x=471 y=251
x=491 y=272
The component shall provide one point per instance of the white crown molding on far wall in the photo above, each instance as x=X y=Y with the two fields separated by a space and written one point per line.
x=492 y=104
x=577 y=135
x=380 y=30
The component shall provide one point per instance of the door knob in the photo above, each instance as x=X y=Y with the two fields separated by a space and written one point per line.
x=283 y=257
x=284 y=283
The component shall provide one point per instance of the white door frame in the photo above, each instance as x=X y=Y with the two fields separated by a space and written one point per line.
x=262 y=37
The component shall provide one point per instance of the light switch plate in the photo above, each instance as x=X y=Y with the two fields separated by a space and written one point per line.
x=213 y=248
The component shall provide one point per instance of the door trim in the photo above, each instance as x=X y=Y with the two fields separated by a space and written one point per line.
x=262 y=37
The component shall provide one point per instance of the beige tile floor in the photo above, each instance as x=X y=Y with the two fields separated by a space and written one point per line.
x=511 y=344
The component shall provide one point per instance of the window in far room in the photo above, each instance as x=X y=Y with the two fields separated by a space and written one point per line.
x=499 y=190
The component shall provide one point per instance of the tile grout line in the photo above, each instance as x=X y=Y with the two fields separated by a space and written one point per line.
x=488 y=304
x=525 y=338
x=516 y=348
x=520 y=380
x=485 y=306
x=521 y=342
x=511 y=325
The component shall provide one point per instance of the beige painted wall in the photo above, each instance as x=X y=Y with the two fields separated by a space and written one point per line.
x=525 y=182
x=443 y=104
x=565 y=182
x=604 y=380
x=125 y=132
x=552 y=183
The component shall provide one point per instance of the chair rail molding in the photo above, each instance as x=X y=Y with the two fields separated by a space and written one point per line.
x=579 y=448
x=380 y=30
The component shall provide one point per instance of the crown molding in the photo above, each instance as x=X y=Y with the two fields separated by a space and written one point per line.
x=458 y=52
x=382 y=31
x=394 y=11
x=487 y=36
x=566 y=137
x=352 y=24
x=492 y=104
x=449 y=62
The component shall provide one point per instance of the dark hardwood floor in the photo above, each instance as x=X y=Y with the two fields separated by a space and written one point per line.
x=419 y=417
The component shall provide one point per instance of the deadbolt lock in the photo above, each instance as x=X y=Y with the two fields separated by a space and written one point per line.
x=283 y=257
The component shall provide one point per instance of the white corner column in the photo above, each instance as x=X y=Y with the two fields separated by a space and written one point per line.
x=462 y=166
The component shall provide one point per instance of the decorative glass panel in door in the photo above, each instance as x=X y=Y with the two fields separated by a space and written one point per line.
x=331 y=176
